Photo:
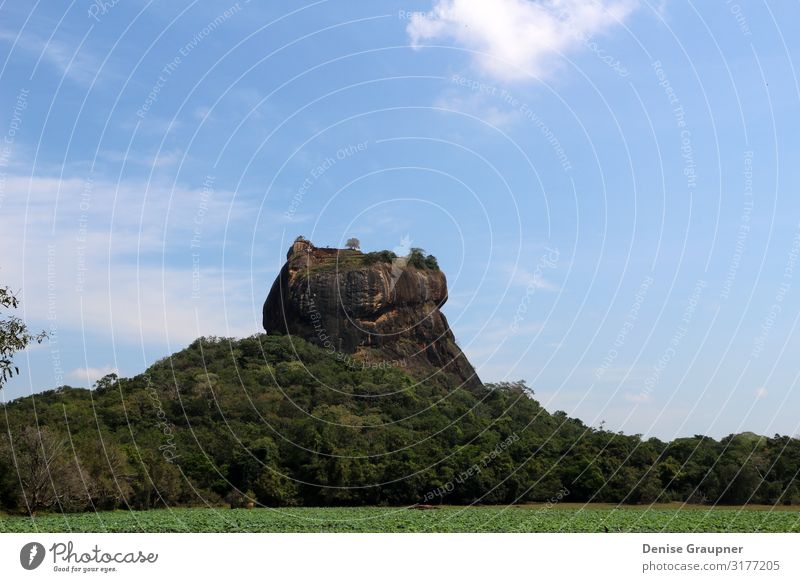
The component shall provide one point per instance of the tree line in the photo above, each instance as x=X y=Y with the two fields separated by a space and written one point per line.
x=276 y=421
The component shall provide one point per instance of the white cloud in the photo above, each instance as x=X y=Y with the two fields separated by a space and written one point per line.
x=489 y=336
x=531 y=279
x=78 y=65
x=202 y=112
x=514 y=39
x=640 y=398
x=91 y=375
x=480 y=106
x=117 y=258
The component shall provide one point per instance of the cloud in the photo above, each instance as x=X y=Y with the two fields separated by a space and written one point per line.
x=91 y=375
x=139 y=260
x=75 y=64
x=531 y=279
x=640 y=398
x=501 y=330
x=479 y=106
x=515 y=39
x=202 y=112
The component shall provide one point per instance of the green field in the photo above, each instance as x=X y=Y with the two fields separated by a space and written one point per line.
x=529 y=518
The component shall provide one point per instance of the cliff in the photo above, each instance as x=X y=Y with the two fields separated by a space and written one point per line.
x=370 y=309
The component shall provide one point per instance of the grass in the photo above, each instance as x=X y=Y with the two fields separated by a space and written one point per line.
x=344 y=261
x=529 y=518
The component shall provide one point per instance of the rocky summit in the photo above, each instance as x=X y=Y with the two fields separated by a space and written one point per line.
x=370 y=309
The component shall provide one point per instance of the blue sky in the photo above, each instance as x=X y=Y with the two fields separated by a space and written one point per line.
x=610 y=186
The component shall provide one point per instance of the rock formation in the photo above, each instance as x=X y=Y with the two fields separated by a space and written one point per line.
x=374 y=309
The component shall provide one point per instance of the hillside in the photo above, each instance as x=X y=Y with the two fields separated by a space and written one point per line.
x=280 y=421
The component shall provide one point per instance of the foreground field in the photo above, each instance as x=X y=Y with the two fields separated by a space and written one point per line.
x=532 y=518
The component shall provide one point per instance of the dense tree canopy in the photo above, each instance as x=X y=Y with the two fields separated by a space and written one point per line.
x=278 y=421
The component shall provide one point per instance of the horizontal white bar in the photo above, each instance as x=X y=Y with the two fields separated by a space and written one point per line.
x=401 y=557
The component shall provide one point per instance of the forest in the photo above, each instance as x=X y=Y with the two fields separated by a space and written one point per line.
x=275 y=421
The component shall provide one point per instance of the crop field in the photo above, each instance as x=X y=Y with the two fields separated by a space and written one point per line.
x=529 y=518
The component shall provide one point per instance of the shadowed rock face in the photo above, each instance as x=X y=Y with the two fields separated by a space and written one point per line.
x=384 y=313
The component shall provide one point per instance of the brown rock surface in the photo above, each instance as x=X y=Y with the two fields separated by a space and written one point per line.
x=374 y=312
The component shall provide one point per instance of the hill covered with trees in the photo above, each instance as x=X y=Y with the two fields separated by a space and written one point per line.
x=274 y=420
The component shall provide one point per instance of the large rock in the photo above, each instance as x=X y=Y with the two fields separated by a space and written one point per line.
x=369 y=311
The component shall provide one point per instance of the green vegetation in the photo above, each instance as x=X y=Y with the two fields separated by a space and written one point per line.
x=276 y=421
x=352 y=258
x=379 y=257
x=14 y=335
x=448 y=519
x=418 y=260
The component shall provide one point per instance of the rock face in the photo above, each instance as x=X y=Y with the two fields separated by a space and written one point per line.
x=372 y=311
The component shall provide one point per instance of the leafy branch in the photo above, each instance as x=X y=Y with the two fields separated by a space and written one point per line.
x=14 y=336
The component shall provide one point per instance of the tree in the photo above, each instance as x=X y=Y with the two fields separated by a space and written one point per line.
x=432 y=263
x=106 y=382
x=109 y=473
x=50 y=477
x=156 y=481
x=9 y=483
x=14 y=336
x=353 y=244
x=416 y=258
x=274 y=489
